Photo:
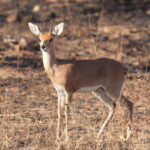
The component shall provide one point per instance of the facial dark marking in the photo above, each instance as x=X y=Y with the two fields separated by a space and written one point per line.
x=50 y=40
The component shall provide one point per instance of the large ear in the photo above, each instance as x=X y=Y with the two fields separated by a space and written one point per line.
x=58 y=29
x=34 y=28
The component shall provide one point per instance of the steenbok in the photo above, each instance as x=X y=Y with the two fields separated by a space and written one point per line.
x=103 y=77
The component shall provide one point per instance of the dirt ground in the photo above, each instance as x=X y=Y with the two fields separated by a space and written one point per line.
x=28 y=102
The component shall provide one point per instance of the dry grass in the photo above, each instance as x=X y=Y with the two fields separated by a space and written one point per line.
x=28 y=117
x=28 y=102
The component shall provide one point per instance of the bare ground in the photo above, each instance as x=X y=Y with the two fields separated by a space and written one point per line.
x=28 y=102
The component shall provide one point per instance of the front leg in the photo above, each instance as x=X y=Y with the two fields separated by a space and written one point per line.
x=59 y=122
x=67 y=103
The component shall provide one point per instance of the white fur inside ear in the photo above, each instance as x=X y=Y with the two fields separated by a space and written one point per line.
x=34 y=28
x=58 y=29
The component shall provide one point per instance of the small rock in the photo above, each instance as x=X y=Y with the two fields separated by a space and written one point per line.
x=36 y=8
x=23 y=43
x=12 y=16
x=148 y=12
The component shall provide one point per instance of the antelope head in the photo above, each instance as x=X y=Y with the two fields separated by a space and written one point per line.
x=46 y=38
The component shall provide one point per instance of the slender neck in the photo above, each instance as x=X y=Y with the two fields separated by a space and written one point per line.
x=49 y=59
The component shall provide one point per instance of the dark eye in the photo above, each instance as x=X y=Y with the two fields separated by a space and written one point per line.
x=50 y=40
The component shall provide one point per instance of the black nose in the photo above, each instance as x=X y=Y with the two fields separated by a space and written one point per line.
x=43 y=46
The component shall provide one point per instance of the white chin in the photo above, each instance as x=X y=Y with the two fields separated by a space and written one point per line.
x=43 y=50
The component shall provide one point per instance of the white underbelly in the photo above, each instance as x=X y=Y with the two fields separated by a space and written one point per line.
x=88 y=89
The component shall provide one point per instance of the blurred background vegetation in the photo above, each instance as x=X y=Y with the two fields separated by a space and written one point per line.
x=118 y=29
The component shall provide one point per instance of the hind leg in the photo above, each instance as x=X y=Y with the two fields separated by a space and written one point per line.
x=102 y=95
x=129 y=106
